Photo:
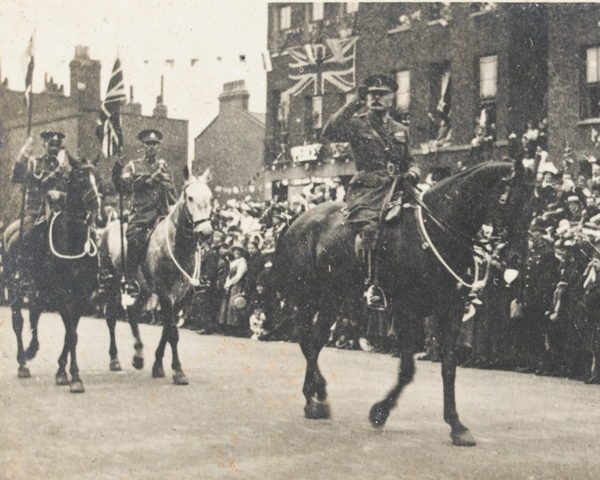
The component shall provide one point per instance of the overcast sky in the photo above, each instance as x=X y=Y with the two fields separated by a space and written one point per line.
x=144 y=33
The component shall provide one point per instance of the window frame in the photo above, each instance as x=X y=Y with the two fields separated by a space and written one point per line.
x=322 y=11
x=405 y=107
x=351 y=7
x=288 y=9
x=483 y=60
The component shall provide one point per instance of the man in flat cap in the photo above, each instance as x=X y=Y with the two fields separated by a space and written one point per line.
x=150 y=185
x=44 y=178
x=381 y=149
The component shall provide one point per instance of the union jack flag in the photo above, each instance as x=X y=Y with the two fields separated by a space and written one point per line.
x=109 y=128
x=320 y=65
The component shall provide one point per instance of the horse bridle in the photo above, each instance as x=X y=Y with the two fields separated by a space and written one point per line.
x=188 y=215
x=503 y=200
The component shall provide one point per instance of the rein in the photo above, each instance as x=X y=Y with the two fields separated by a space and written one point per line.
x=486 y=258
x=194 y=280
x=88 y=248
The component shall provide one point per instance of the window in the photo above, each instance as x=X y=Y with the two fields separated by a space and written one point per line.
x=285 y=18
x=403 y=93
x=592 y=78
x=317 y=11
x=488 y=76
x=317 y=112
x=351 y=7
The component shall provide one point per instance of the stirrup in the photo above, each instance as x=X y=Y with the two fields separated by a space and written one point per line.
x=376 y=298
x=130 y=291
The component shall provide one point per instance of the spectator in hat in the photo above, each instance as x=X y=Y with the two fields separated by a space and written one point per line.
x=44 y=177
x=232 y=314
x=256 y=264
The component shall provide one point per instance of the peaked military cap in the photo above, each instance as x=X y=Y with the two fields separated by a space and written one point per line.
x=150 y=136
x=47 y=136
x=380 y=81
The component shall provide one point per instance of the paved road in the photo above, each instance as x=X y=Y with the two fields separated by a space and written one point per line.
x=241 y=416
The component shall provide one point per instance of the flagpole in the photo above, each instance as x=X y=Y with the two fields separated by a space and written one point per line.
x=24 y=189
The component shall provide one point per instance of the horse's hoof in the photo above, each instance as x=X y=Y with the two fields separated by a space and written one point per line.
x=138 y=363
x=158 y=371
x=179 y=378
x=24 y=372
x=115 y=366
x=62 y=380
x=463 y=439
x=379 y=414
x=317 y=411
x=77 y=387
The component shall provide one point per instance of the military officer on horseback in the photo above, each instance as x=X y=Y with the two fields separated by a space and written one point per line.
x=45 y=185
x=150 y=185
x=385 y=166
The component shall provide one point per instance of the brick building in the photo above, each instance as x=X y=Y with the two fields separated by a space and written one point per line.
x=232 y=145
x=468 y=64
x=77 y=117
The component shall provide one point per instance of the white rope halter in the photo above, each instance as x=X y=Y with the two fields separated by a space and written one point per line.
x=194 y=280
x=88 y=247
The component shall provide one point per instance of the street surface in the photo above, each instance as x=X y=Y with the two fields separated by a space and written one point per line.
x=242 y=416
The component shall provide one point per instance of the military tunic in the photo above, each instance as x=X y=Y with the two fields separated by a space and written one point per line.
x=376 y=142
x=46 y=175
x=151 y=198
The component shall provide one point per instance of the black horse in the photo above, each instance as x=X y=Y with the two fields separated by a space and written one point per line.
x=61 y=268
x=317 y=272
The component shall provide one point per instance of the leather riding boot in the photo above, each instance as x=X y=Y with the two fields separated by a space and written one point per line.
x=130 y=286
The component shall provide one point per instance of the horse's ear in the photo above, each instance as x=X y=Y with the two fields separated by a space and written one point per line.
x=186 y=173
x=206 y=176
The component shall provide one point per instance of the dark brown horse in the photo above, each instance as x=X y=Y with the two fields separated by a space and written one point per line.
x=168 y=271
x=61 y=265
x=317 y=271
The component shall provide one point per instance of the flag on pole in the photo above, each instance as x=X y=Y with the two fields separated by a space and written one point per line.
x=29 y=76
x=109 y=129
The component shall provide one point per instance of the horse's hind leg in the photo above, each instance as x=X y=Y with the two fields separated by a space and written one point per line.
x=380 y=411
x=460 y=434
x=313 y=338
x=138 y=356
x=157 y=369
x=76 y=383
x=112 y=312
x=35 y=311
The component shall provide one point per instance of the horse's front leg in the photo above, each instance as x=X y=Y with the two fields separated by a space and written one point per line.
x=17 y=321
x=35 y=311
x=313 y=338
x=460 y=434
x=170 y=312
x=380 y=411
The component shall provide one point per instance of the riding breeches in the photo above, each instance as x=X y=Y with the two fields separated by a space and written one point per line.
x=137 y=239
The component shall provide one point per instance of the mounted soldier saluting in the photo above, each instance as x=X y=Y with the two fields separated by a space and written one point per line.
x=45 y=185
x=150 y=184
x=385 y=166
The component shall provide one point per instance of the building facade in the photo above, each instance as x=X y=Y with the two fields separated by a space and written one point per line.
x=462 y=69
x=232 y=146
x=77 y=116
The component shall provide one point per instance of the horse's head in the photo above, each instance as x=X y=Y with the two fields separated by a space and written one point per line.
x=509 y=211
x=83 y=190
x=197 y=200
